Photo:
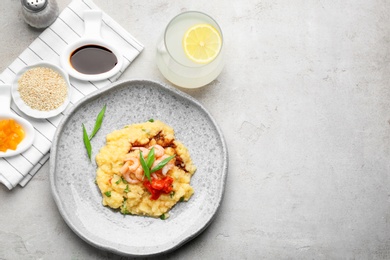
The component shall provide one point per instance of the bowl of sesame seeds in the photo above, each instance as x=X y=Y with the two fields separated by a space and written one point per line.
x=41 y=90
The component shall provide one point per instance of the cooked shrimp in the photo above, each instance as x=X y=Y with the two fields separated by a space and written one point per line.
x=158 y=150
x=134 y=163
x=132 y=168
x=145 y=151
x=125 y=168
x=131 y=164
x=167 y=167
x=155 y=176
x=129 y=178
x=130 y=155
x=139 y=173
x=157 y=161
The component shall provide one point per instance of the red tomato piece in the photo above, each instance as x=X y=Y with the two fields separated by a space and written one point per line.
x=159 y=186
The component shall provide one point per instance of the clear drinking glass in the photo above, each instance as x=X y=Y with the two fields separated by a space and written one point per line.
x=172 y=60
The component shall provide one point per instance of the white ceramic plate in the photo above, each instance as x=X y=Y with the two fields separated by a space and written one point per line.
x=72 y=175
x=27 y=109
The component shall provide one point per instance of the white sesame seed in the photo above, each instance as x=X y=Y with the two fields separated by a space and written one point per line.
x=42 y=88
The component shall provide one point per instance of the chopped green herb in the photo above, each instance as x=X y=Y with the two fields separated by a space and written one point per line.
x=124 y=209
x=87 y=143
x=163 y=217
x=181 y=199
x=126 y=126
x=98 y=123
x=123 y=180
x=172 y=194
x=127 y=188
x=108 y=193
x=118 y=181
x=151 y=120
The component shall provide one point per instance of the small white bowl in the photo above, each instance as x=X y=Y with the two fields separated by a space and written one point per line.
x=91 y=37
x=84 y=42
x=34 y=112
x=5 y=113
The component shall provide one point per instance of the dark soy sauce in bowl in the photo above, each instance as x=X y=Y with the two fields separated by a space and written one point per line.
x=93 y=59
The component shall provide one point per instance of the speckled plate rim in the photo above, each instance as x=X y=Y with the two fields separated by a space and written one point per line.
x=53 y=153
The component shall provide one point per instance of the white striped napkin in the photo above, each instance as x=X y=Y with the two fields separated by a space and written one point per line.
x=68 y=28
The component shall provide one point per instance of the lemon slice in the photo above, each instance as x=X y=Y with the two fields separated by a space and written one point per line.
x=202 y=43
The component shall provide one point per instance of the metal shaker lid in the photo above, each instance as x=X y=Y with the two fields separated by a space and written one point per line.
x=34 y=5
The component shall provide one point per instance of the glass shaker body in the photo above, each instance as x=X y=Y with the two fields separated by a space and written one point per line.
x=39 y=13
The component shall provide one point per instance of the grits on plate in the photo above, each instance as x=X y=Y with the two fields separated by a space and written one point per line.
x=144 y=170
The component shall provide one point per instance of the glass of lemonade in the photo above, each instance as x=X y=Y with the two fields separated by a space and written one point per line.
x=190 y=51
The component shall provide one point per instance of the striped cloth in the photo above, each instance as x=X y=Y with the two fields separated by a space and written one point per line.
x=68 y=28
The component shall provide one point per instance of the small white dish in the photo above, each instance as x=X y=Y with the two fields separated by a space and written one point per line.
x=5 y=113
x=91 y=38
x=34 y=112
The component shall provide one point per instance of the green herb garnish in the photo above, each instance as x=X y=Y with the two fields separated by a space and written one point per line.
x=118 y=181
x=181 y=199
x=87 y=143
x=127 y=188
x=162 y=164
x=151 y=120
x=86 y=138
x=123 y=180
x=124 y=209
x=108 y=193
x=172 y=194
x=98 y=123
x=146 y=165
x=151 y=158
x=163 y=217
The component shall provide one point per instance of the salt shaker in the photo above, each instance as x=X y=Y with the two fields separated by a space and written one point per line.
x=39 y=13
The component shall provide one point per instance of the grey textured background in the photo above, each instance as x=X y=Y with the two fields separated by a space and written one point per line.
x=303 y=103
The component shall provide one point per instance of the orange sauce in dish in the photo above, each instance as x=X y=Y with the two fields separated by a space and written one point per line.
x=11 y=134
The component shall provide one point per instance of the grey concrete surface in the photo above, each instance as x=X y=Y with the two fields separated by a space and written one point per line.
x=304 y=104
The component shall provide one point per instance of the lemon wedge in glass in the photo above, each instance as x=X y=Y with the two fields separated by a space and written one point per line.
x=202 y=43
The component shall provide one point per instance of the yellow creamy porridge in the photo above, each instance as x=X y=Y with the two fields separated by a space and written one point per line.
x=150 y=184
